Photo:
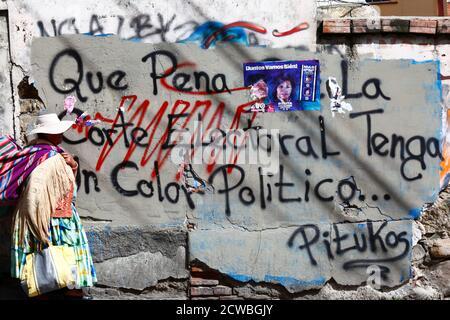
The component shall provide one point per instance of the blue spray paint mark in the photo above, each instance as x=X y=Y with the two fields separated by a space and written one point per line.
x=205 y=30
x=439 y=81
x=104 y=35
x=98 y=35
x=286 y=281
x=422 y=62
x=240 y=277
x=415 y=213
x=289 y=281
x=135 y=39
x=434 y=96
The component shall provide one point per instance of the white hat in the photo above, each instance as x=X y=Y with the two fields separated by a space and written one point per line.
x=50 y=123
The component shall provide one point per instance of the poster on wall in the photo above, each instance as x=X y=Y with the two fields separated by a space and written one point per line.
x=283 y=85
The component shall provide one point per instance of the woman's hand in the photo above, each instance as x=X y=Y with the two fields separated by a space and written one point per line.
x=70 y=161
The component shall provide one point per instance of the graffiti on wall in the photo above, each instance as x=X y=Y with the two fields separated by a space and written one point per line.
x=420 y=48
x=134 y=130
x=176 y=135
x=144 y=27
x=372 y=252
x=368 y=239
x=139 y=27
x=129 y=130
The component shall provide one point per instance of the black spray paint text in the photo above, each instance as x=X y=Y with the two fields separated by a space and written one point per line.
x=362 y=238
x=117 y=79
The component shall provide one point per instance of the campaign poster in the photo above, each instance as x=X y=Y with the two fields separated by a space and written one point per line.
x=277 y=86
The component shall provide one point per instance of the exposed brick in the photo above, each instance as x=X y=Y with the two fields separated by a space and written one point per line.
x=201 y=291
x=336 y=26
x=359 y=30
x=204 y=282
x=366 y=25
x=336 y=29
x=427 y=23
x=359 y=22
x=199 y=272
x=209 y=298
x=422 y=30
x=443 y=26
x=196 y=269
x=395 y=25
x=338 y=22
x=222 y=291
x=427 y=26
x=243 y=291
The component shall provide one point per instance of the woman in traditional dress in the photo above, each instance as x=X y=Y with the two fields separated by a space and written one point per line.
x=40 y=182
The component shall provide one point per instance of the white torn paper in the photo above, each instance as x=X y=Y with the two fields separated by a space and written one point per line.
x=337 y=103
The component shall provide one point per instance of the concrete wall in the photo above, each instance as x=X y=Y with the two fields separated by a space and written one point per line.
x=6 y=112
x=340 y=205
x=400 y=46
x=432 y=227
x=157 y=21
x=360 y=184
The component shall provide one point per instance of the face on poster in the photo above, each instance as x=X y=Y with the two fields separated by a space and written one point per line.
x=281 y=85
